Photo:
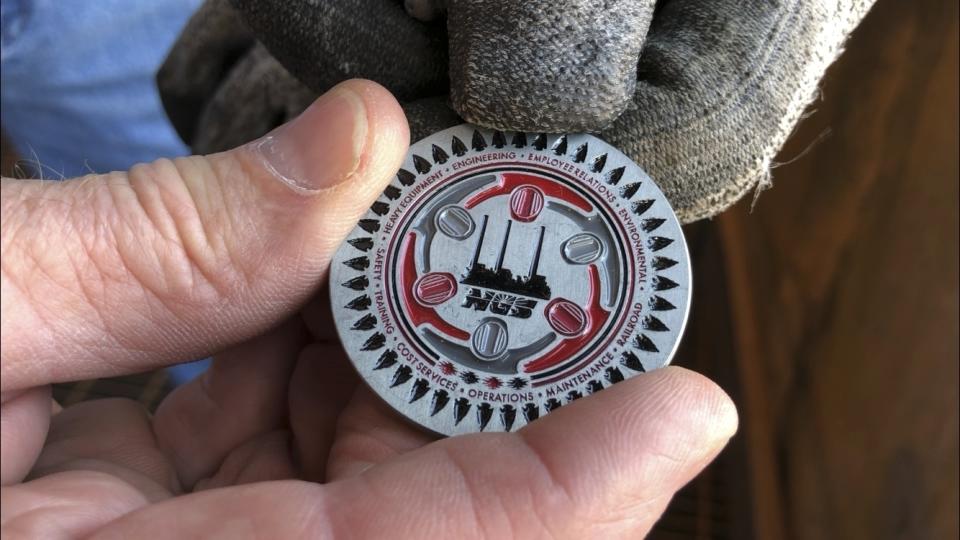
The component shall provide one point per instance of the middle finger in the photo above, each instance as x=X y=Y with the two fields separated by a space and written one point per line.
x=242 y=395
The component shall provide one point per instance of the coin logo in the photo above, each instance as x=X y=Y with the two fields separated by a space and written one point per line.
x=503 y=275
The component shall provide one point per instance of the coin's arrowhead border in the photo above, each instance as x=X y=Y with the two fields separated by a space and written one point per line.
x=353 y=309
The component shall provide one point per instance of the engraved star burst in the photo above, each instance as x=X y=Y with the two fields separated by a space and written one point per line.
x=517 y=383
x=447 y=368
x=492 y=383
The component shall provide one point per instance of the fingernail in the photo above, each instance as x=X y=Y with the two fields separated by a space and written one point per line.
x=322 y=147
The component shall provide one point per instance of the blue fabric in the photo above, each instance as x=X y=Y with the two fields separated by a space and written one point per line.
x=187 y=372
x=78 y=91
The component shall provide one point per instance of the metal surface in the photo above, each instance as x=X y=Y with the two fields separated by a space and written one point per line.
x=503 y=275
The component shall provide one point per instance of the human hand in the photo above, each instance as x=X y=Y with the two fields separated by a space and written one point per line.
x=174 y=260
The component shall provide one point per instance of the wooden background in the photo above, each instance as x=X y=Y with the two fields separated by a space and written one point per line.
x=836 y=326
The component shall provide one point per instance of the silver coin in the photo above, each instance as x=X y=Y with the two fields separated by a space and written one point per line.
x=503 y=275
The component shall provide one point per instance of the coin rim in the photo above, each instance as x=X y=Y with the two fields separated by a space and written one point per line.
x=592 y=154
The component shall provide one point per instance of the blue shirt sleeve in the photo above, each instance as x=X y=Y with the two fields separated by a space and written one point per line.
x=78 y=86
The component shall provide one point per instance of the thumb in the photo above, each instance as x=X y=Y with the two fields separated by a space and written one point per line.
x=179 y=258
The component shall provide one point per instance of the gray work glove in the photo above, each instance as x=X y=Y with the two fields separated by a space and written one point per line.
x=221 y=88
x=702 y=94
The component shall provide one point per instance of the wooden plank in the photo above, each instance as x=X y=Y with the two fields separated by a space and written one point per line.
x=845 y=296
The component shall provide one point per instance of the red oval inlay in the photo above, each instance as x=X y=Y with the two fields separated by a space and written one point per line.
x=566 y=318
x=526 y=202
x=435 y=288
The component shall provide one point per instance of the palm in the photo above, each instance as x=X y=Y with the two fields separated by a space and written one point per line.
x=287 y=405
x=275 y=408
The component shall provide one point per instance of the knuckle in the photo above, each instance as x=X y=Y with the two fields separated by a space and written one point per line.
x=193 y=254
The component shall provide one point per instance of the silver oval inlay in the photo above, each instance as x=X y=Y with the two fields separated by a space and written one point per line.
x=583 y=248
x=490 y=339
x=455 y=222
